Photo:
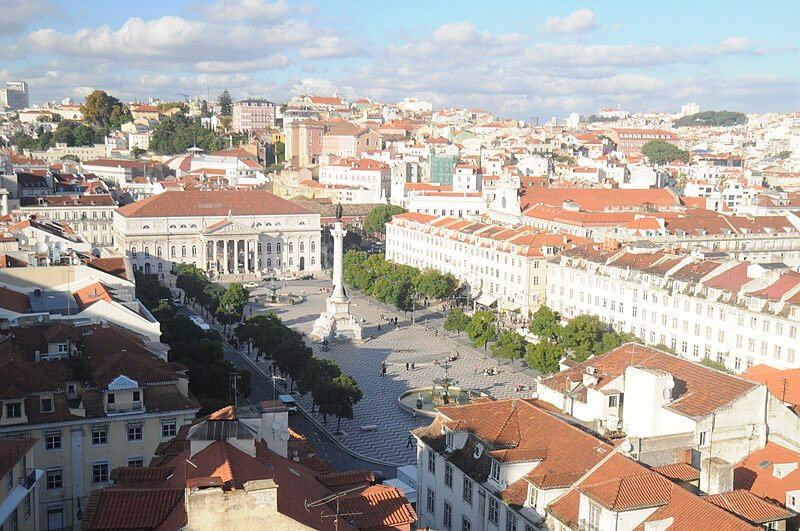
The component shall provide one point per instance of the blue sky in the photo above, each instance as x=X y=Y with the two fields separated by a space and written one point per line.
x=515 y=58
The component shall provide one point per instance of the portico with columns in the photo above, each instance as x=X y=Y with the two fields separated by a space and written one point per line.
x=251 y=234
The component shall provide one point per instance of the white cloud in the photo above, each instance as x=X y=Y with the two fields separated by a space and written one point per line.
x=255 y=11
x=330 y=46
x=579 y=21
x=267 y=63
x=737 y=45
x=17 y=15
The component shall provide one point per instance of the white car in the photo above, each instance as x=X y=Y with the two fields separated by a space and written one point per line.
x=250 y=285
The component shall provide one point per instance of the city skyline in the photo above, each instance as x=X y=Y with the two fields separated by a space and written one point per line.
x=547 y=62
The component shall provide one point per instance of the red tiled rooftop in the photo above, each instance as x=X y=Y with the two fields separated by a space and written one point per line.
x=783 y=383
x=756 y=473
x=747 y=505
x=121 y=509
x=211 y=203
x=679 y=471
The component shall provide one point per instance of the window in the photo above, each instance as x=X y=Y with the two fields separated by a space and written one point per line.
x=594 y=517
x=194 y=250
x=136 y=462
x=46 y=404
x=703 y=438
x=533 y=496
x=431 y=502
x=169 y=428
x=612 y=401
x=448 y=437
x=172 y=251
x=431 y=462
x=134 y=432
x=99 y=435
x=291 y=247
x=27 y=508
x=495 y=471
x=133 y=252
x=494 y=510
x=147 y=252
x=466 y=525
x=137 y=396
x=111 y=397
x=448 y=475
x=52 y=440
x=448 y=516
x=100 y=473
x=55 y=479
x=278 y=247
x=269 y=248
x=14 y=410
x=183 y=251
x=467 y=489
x=511 y=521
x=13 y=521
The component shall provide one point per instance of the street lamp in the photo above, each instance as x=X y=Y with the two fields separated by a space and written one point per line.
x=275 y=385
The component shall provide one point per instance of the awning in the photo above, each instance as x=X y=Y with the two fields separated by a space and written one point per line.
x=511 y=306
x=486 y=300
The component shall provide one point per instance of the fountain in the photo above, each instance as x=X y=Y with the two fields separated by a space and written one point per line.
x=443 y=392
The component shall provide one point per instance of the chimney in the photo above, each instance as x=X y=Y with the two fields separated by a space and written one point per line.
x=716 y=476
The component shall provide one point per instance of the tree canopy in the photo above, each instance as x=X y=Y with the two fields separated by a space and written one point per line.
x=226 y=103
x=177 y=133
x=69 y=132
x=105 y=111
x=662 y=152
x=380 y=215
x=712 y=118
x=481 y=328
x=545 y=324
x=340 y=398
x=510 y=346
x=456 y=321
x=544 y=356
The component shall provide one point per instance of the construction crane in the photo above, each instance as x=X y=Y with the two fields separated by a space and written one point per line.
x=328 y=499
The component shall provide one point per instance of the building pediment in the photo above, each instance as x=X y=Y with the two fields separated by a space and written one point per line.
x=228 y=227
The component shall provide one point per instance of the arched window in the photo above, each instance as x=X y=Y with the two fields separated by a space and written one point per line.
x=183 y=226
x=183 y=250
x=313 y=247
x=291 y=247
x=147 y=252
x=160 y=266
x=158 y=251
x=133 y=252
x=194 y=250
x=194 y=225
x=313 y=260
x=278 y=247
x=269 y=248
x=269 y=262
x=145 y=227
x=291 y=261
x=302 y=247
x=173 y=227
x=172 y=252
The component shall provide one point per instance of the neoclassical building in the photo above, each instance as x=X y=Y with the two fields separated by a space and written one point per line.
x=233 y=235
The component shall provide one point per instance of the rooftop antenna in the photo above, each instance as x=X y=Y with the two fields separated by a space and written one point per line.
x=327 y=499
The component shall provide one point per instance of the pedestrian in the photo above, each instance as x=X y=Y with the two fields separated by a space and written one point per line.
x=409 y=441
x=406 y=365
x=436 y=332
x=412 y=365
x=379 y=327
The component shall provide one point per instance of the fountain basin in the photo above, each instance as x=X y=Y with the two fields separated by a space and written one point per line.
x=433 y=398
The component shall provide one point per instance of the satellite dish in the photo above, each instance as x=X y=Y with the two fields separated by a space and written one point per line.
x=41 y=248
x=535 y=395
x=626 y=446
x=478 y=451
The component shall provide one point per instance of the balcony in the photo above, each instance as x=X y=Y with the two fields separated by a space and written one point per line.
x=124 y=409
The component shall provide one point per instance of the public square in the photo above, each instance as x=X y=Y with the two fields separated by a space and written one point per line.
x=416 y=344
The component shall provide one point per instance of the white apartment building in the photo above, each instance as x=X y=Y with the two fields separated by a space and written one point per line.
x=229 y=234
x=14 y=96
x=699 y=305
x=88 y=215
x=500 y=265
x=366 y=174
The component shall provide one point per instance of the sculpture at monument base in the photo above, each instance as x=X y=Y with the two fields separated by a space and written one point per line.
x=337 y=322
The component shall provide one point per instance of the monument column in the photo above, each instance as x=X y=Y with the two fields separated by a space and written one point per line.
x=338 y=234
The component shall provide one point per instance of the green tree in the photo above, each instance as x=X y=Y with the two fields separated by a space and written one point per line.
x=137 y=152
x=177 y=133
x=545 y=323
x=456 y=321
x=714 y=364
x=662 y=152
x=316 y=378
x=232 y=304
x=280 y=152
x=340 y=398
x=380 y=215
x=226 y=103
x=544 y=356
x=785 y=154
x=583 y=335
x=481 y=328
x=510 y=346
x=435 y=285
x=104 y=111
x=712 y=118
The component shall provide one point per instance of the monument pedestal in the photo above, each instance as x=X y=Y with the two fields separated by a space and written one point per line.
x=336 y=322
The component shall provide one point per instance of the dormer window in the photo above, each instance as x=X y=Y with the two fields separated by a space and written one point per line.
x=495 y=473
x=448 y=436
x=111 y=398
x=533 y=496
x=14 y=410
x=63 y=348
x=46 y=404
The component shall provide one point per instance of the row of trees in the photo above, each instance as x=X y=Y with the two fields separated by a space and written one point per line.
x=332 y=392
x=177 y=133
x=395 y=284
x=583 y=336
x=200 y=352
x=379 y=216
x=712 y=118
x=662 y=152
x=225 y=304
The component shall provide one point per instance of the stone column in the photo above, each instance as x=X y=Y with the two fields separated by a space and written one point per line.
x=235 y=256
x=338 y=234
x=225 y=256
x=246 y=256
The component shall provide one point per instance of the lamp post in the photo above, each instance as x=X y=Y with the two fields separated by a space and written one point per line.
x=275 y=385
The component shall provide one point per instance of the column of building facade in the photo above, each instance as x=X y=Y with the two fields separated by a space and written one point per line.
x=246 y=255
x=225 y=256
x=235 y=256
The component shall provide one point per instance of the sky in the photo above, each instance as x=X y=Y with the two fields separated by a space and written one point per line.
x=515 y=58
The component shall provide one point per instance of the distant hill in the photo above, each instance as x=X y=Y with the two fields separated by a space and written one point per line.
x=712 y=118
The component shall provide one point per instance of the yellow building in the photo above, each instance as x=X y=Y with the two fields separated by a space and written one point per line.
x=20 y=491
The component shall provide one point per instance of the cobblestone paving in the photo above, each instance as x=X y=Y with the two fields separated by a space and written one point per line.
x=395 y=347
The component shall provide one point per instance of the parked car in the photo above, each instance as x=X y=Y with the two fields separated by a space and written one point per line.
x=250 y=285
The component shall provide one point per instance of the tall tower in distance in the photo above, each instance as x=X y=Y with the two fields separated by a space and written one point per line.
x=15 y=96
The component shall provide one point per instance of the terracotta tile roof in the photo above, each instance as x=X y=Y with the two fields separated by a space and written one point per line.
x=338 y=481
x=567 y=508
x=702 y=392
x=679 y=471
x=756 y=473
x=781 y=286
x=516 y=494
x=747 y=505
x=784 y=384
x=134 y=509
x=90 y=294
x=600 y=199
x=695 y=271
x=140 y=476
x=113 y=266
x=226 y=463
x=12 y=451
x=211 y=203
x=379 y=507
x=730 y=280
